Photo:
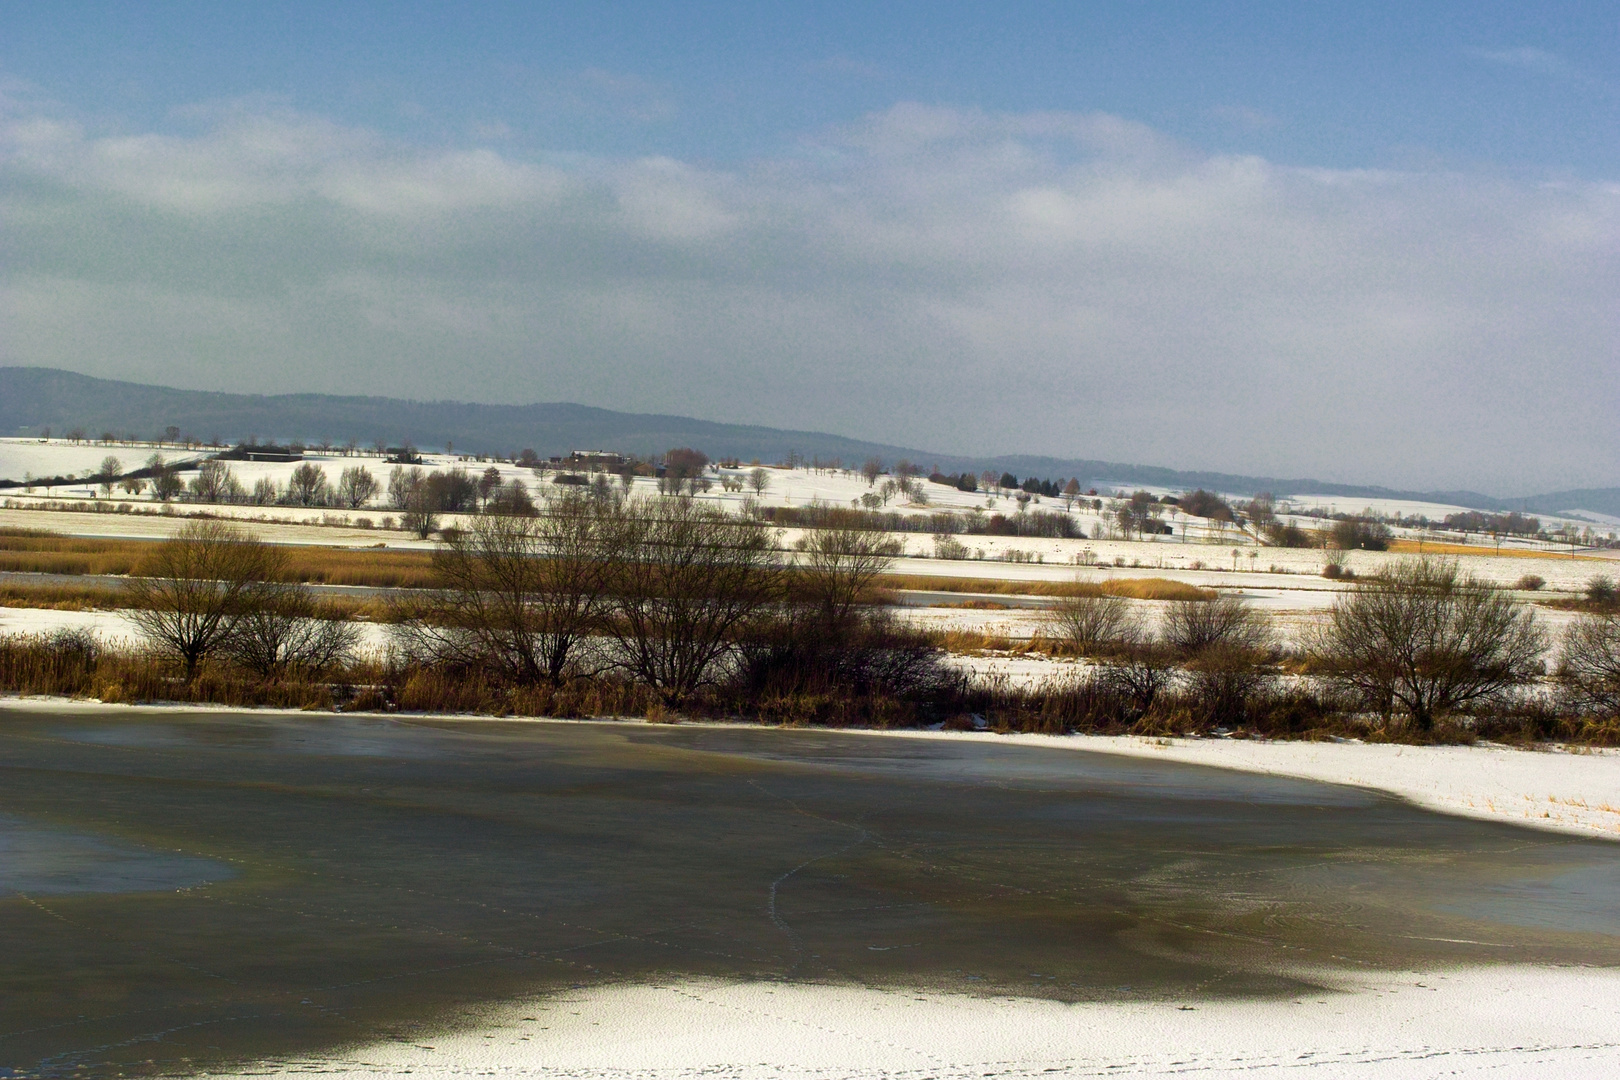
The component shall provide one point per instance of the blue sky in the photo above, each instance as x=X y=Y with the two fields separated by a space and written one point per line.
x=1509 y=85
x=1374 y=242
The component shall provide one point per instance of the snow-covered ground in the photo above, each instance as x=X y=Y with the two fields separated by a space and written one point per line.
x=786 y=487
x=1508 y=1021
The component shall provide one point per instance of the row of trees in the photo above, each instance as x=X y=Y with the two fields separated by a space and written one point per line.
x=1423 y=640
x=213 y=590
x=672 y=594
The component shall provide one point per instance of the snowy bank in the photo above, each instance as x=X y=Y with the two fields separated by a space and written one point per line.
x=1575 y=791
x=1507 y=1021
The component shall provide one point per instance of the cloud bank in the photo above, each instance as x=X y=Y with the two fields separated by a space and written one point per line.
x=958 y=280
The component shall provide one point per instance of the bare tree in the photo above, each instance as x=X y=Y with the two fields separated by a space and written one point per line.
x=110 y=469
x=1589 y=662
x=307 y=485
x=190 y=591
x=402 y=484
x=1071 y=492
x=214 y=483
x=356 y=487
x=1094 y=624
x=421 y=513
x=488 y=484
x=287 y=631
x=166 y=483
x=1135 y=513
x=836 y=566
x=687 y=578
x=871 y=469
x=759 y=479
x=518 y=595
x=1427 y=639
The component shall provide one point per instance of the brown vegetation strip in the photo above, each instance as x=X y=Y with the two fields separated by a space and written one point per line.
x=27 y=551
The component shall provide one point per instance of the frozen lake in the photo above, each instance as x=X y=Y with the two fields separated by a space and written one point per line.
x=231 y=888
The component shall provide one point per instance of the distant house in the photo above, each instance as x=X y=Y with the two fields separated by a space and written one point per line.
x=591 y=461
x=254 y=452
x=402 y=455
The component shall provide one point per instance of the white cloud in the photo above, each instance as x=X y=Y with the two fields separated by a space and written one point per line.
x=952 y=279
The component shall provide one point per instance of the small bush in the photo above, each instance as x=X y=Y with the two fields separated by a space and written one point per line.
x=1530 y=582
x=1601 y=592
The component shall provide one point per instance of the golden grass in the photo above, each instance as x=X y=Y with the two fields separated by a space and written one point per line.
x=61 y=597
x=27 y=551
x=1413 y=547
x=1150 y=588
x=1155 y=588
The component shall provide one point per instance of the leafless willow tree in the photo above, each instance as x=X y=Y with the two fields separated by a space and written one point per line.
x=1426 y=639
x=307 y=485
x=357 y=486
x=518 y=595
x=188 y=594
x=687 y=580
x=836 y=565
x=1589 y=662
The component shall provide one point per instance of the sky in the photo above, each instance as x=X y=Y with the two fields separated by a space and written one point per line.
x=1370 y=243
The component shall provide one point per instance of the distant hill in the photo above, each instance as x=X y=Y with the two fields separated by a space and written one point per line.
x=35 y=398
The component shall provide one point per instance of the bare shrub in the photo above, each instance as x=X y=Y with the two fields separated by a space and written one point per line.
x=687 y=579
x=1589 y=662
x=1426 y=639
x=1230 y=623
x=190 y=591
x=1530 y=582
x=287 y=631
x=797 y=665
x=1226 y=684
x=1138 y=677
x=1093 y=625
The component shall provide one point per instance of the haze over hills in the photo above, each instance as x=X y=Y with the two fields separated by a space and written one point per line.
x=32 y=399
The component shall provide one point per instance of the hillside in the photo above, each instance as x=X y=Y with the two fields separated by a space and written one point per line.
x=32 y=399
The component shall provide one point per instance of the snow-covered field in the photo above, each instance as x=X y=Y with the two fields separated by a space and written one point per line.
x=1505 y=1021
x=1194 y=540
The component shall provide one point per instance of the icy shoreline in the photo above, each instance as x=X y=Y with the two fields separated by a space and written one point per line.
x=1507 y=1021
x=1575 y=791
